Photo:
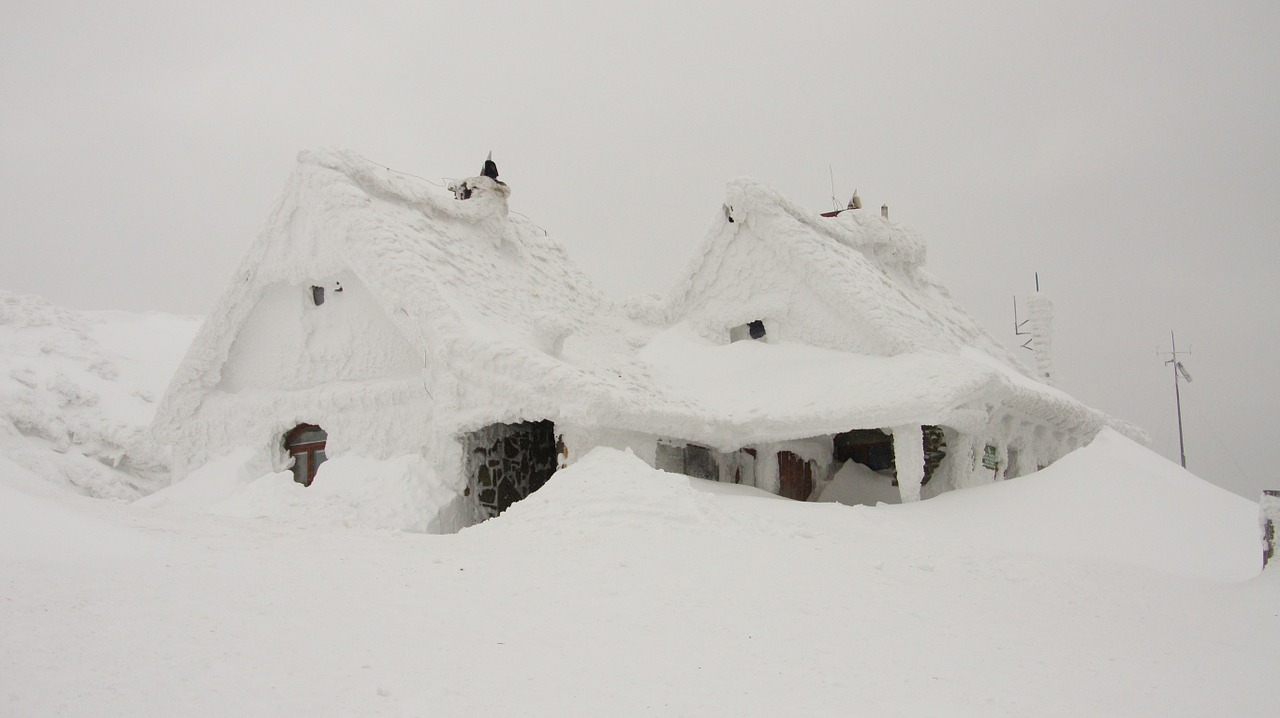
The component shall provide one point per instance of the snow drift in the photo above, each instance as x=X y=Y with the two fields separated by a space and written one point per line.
x=618 y=589
x=78 y=391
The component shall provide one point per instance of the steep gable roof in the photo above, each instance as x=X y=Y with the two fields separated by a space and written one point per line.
x=457 y=277
x=500 y=315
x=861 y=266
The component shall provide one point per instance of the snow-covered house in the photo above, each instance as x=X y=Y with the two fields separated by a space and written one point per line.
x=381 y=317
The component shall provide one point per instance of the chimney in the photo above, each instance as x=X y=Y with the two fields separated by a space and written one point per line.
x=884 y=211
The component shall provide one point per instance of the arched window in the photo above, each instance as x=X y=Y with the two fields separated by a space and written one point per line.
x=306 y=445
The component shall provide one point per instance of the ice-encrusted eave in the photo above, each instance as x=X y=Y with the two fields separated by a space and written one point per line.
x=1049 y=405
x=749 y=392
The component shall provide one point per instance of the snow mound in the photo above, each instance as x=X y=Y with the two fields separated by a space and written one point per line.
x=78 y=389
x=37 y=524
x=349 y=491
x=612 y=490
x=1112 y=502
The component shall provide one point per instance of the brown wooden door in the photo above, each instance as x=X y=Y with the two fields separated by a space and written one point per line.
x=795 y=476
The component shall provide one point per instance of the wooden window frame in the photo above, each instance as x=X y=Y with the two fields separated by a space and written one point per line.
x=308 y=451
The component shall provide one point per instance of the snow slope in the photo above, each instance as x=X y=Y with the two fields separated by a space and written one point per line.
x=1107 y=586
x=78 y=389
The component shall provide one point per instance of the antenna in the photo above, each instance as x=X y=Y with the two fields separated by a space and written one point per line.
x=1017 y=325
x=1178 y=371
x=835 y=203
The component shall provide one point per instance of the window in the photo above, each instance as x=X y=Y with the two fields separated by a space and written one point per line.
x=991 y=458
x=305 y=443
x=688 y=459
x=750 y=330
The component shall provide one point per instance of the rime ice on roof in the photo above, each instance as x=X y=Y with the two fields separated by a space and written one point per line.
x=444 y=316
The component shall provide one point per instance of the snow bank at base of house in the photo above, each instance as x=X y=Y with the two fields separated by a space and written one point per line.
x=1110 y=501
x=1113 y=501
x=77 y=390
x=620 y=590
x=402 y=494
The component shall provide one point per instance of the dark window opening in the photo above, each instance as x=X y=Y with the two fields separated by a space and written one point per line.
x=507 y=462
x=750 y=330
x=873 y=448
x=745 y=466
x=305 y=443
x=935 y=450
x=991 y=458
x=317 y=295
x=870 y=447
x=688 y=459
x=699 y=463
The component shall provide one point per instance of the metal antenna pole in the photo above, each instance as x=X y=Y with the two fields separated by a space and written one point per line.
x=835 y=203
x=1177 y=393
x=1177 y=397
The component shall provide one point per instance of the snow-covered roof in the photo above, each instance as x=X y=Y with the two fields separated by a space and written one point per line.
x=465 y=282
x=868 y=271
x=861 y=284
x=499 y=314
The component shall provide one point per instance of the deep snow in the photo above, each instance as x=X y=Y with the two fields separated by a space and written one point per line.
x=619 y=590
x=1111 y=583
x=77 y=390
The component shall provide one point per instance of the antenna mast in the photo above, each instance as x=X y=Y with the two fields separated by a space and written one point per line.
x=1178 y=370
x=835 y=203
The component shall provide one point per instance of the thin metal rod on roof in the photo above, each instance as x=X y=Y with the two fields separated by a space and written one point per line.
x=1178 y=371
x=835 y=203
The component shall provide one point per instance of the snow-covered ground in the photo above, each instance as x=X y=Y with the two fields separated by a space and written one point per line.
x=77 y=389
x=1111 y=583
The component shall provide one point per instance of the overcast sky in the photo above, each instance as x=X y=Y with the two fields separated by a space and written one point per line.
x=1128 y=152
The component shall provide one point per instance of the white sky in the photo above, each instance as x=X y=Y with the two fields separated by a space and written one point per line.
x=1128 y=152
